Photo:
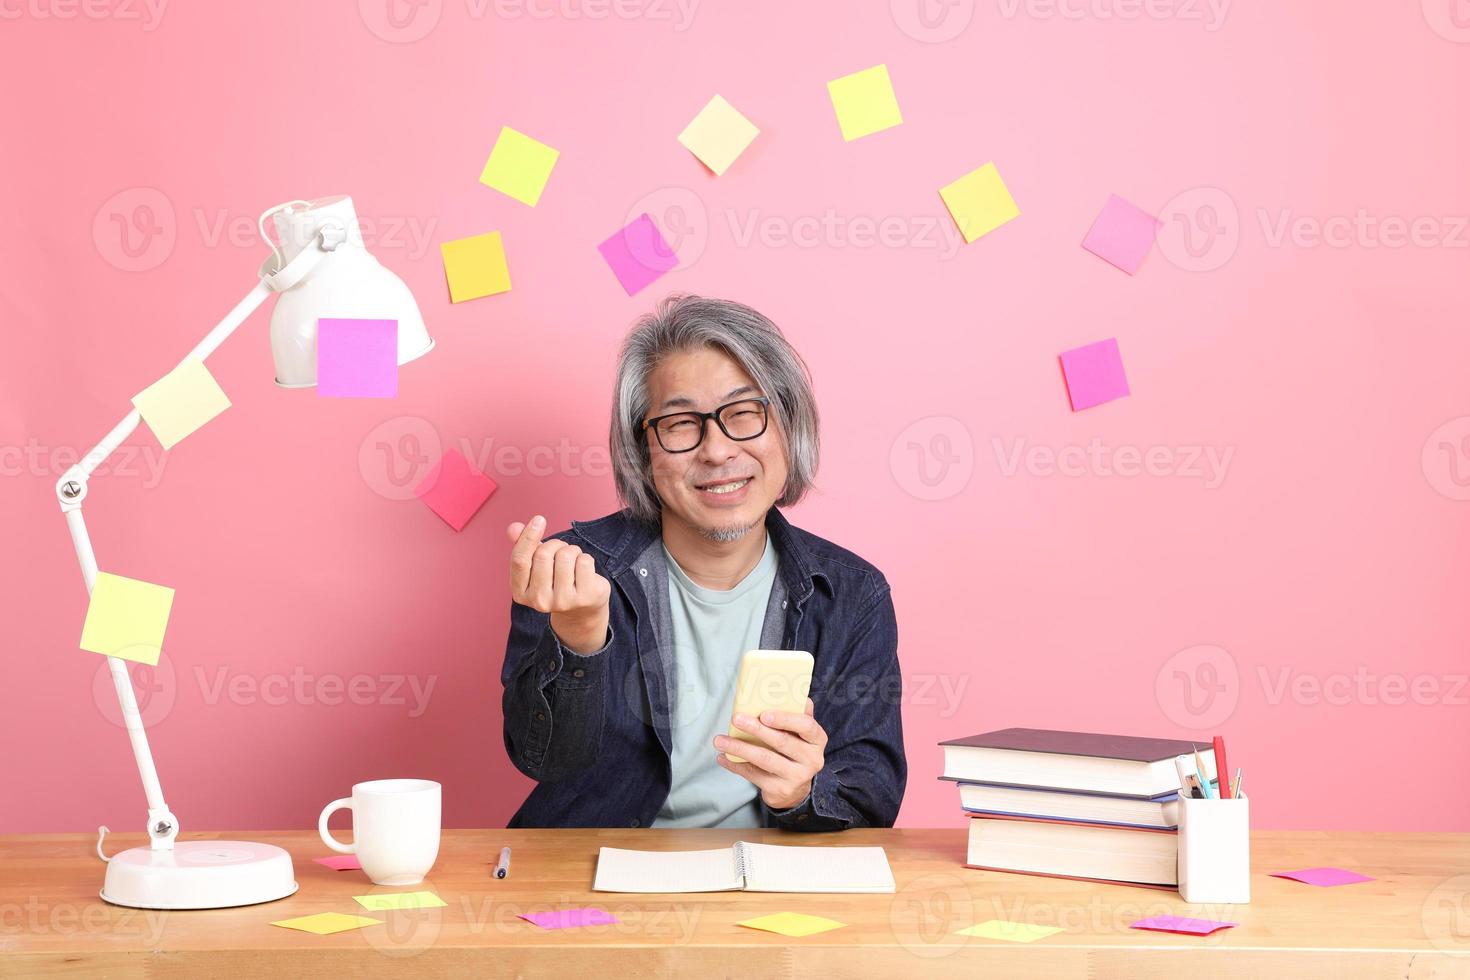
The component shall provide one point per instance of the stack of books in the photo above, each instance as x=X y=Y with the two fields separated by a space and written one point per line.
x=1072 y=804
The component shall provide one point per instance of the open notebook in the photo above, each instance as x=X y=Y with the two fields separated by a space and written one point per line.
x=745 y=867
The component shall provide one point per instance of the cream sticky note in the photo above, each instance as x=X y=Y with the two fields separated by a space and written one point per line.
x=979 y=202
x=181 y=401
x=126 y=618
x=400 y=900
x=864 y=102
x=475 y=267
x=793 y=924
x=1011 y=932
x=519 y=166
x=326 y=923
x=718 y=135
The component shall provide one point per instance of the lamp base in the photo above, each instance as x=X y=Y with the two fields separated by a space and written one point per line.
x=199 y=874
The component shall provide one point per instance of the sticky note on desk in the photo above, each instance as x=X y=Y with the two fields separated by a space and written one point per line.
x=1094 y=374
x=1011 y=932
x=455 y=490
x=718 y=135
x=341 y=862
x=181 y=401
x=864 y=102
x=400 y=900
x=979 y=202
x=638 y=254
x=570 y=918
x=793 y=924
x=519 y=166
x=1323 y=877
x=1122 y=234
x=475 y=266
x=326 y=923
x=356 y=358
x=1175 y=923
x=126 y=618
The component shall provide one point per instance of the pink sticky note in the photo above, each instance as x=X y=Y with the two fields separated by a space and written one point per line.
x=638 y=254
x=356 y=358
x=570 y=918
x=455 y=490
x=1174 y=923
x=341 y=862
x=1325 y=877
x=1122 y=233
x=1094 y=374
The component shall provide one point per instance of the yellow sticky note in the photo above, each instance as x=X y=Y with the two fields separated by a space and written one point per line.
x=181 y=401
x=864 y=102
x=400 y=900
x=326 y=923
x=1011 y=932
x=126 y=618
x=793 y=923
x=519 y=166
x=475 y=267
x=979 y=202
x=718 y=135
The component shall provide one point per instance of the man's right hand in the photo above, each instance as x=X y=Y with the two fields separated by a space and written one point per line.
x=561 y=579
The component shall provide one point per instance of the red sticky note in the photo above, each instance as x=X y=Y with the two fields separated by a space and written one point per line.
x=356 y=358
x=638 y=254
x=455 y=490
x=1094 y=374
x=341 y=862
x=570 y=918
x=1122 y=233
x=1175 y=923
x=1323 y=877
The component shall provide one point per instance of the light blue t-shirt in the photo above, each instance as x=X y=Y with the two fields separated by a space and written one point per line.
x=711 y=630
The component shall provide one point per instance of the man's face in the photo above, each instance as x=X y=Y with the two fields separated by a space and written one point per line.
x=695 y=486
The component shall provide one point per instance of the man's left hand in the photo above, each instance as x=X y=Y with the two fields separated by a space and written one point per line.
x=784 y=766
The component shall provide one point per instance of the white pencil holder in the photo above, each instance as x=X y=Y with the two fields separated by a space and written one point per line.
x=1215 y=851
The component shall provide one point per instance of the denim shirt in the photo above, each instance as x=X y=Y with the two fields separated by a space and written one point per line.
x=594 y=730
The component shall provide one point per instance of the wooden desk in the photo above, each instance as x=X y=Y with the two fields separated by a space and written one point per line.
x=1412 y=922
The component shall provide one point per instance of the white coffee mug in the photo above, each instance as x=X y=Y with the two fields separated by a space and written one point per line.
x=395 y=828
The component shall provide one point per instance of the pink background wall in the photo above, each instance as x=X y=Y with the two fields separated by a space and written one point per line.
x=1288 y=570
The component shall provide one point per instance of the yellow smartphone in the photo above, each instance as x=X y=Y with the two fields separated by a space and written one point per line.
x=770 y=680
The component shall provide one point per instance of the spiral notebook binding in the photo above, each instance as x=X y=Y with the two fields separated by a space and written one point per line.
x=740 y=862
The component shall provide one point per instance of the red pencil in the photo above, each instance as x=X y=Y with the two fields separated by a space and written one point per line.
x=1222 y=771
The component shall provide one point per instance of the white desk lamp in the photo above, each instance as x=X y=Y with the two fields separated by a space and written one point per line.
x=321 y=269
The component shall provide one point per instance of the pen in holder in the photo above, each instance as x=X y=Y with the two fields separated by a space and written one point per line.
x=1215 y=851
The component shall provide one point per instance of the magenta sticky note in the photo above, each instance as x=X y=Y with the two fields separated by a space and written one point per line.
x=356 y=358
x=1094 y=374
x=570 y=918
x=1324 y=877
x=341 y=862
x=1175 y=923
x=454 y=489
x=638 y=254
x=1122 y=233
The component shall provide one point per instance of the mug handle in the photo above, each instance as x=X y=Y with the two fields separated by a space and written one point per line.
x=327 y=838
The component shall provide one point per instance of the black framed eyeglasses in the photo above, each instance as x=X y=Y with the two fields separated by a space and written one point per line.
x=682 y=432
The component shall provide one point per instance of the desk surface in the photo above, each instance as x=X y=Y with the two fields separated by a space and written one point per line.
x=1414 y=921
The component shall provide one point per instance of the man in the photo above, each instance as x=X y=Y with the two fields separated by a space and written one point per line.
x=626 y=632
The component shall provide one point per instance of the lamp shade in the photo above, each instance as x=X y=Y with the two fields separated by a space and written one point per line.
x=348 y=283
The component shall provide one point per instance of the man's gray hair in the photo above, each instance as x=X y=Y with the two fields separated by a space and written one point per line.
x=685 y=323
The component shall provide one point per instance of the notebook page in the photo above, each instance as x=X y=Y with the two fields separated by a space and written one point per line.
x=783 y=868
x=620 y=870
